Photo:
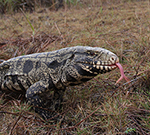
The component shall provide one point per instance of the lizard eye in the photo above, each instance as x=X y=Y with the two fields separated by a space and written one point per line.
x=91 y=53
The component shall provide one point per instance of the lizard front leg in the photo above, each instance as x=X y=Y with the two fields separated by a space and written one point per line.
x=37 y=97
x=35 y=100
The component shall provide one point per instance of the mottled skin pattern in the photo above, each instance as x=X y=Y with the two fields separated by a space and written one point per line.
x=43 y=77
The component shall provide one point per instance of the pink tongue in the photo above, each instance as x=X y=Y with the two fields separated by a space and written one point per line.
x=122 y=73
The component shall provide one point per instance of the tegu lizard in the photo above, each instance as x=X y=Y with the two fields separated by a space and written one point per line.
x=37 y=75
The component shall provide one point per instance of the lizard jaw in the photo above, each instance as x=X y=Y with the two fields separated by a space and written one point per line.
x=97 y=68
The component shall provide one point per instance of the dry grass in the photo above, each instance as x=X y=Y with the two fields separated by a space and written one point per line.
x=123 y=28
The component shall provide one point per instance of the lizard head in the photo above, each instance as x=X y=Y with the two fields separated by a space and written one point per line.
x=87 y=62
x=95 y=60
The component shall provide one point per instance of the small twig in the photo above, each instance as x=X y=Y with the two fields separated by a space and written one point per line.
x=59 y=31
x=57 y=28
x=121 y=50
x=138 y=66
x=69 y=128
x=33 y=32
x=138 y=126
x=10 y=133
x=10 y=113
x=2 y=43
x=49 y=132
x=17 y=22
x=143 y=72
x=53 y=5
x=3 y=105
x=131 y=81
x=15 y=52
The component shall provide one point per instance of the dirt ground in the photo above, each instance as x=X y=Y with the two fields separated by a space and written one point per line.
x=97 y=106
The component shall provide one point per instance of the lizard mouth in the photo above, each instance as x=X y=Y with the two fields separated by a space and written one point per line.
x=105 y=67
x=99 y=67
